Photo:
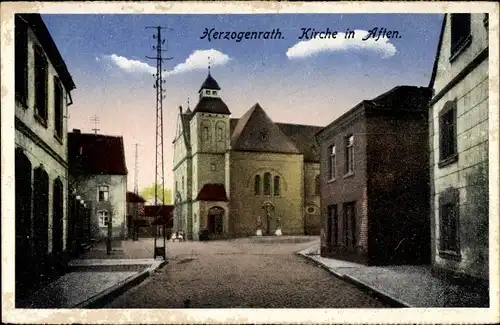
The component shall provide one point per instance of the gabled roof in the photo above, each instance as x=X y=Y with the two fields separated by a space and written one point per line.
x=210 y=83
x=96 y=154
x=403 y=98
x=134 y=198
x=212 y=192
x=37 y=25
x=212 y=105
x=397 y=100
x=303 y=136
x=255 y=131
x=438 y=53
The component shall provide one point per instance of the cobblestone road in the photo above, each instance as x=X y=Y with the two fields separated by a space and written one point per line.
x=242 y=274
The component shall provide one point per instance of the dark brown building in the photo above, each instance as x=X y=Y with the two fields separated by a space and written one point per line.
x=375 y=180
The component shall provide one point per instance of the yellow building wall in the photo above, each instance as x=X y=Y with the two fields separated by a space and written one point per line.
x=245 y=206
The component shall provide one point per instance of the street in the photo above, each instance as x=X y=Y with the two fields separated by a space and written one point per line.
x=242 y=273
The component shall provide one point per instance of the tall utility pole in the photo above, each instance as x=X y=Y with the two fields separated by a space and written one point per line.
x=95 y=119
x=159 y=165
x=136 y=171
x=135 y=218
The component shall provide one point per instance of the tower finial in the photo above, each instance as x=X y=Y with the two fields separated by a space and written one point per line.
x=209 y=64
x=188 y=104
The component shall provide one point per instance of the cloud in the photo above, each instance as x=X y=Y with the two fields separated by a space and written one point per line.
x=129 y=65
x=317 y=45
x=197 y=60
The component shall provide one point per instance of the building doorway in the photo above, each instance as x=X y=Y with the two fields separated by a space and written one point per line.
x=57 y=218
x=216 y=220
x=23 y=254
x=269 y=220
x=40 y=219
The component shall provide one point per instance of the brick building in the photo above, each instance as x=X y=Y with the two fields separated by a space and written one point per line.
x=458 y=140
x=374 y=180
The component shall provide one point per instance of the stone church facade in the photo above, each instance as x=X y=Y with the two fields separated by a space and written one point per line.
x=231 y=172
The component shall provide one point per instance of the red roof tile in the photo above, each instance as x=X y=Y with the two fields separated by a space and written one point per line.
x=96 y=154
x=158 y=210
x=212 y=192
x=134 y=198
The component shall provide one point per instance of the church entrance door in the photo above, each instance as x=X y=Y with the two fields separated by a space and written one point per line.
x=215 y=220
x=269 y=221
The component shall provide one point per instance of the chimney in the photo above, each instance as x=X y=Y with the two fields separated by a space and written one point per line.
x=77 y=131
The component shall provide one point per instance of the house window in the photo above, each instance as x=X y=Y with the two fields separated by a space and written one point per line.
x=41 y=76
x=448 y=133
x=349 y=155
x=460 y=31
x=317 y=185
x=332 y=226
x=267 y=184
x=214 y=92
x=103 y=218
x=449 y=228
x=349 y=225
x=257 y=185
x=103 y=193
x=58 y=108
x=21 y=61
x=332 y=163
x=276 y=184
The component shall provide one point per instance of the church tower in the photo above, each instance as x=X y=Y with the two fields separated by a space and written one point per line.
x=210 y=139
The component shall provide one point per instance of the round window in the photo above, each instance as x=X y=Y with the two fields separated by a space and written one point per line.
x=310 y=210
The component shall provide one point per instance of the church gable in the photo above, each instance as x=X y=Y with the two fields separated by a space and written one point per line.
x=255 y=131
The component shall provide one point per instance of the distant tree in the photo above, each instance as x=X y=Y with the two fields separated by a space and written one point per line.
x=148 y=194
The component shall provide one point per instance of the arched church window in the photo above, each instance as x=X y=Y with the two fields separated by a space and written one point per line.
x=276 y=186
x=257 y=185
x=206 y=133
x=220 y=131
x=267 y=184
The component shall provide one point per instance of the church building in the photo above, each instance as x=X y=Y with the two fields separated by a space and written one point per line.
x=233 y=174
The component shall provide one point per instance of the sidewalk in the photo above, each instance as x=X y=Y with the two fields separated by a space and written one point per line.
x=406 y=285
x=96 y=277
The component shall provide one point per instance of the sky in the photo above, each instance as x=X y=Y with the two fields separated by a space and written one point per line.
x=296 y=80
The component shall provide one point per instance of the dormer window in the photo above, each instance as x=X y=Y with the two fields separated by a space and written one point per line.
x=214 y=92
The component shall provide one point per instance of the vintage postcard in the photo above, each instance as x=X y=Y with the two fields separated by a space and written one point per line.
x=250 y=162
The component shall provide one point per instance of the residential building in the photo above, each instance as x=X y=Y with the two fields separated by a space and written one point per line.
x=458 y=119
x=98 y=173
x=374 y=180
x=231 y=172
x=42 y=96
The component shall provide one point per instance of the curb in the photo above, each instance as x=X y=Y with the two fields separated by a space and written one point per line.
x=382 y=296
x=111 y=293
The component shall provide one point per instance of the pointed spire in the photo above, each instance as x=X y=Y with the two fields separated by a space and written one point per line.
x=208 y=64
x=188 y=110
